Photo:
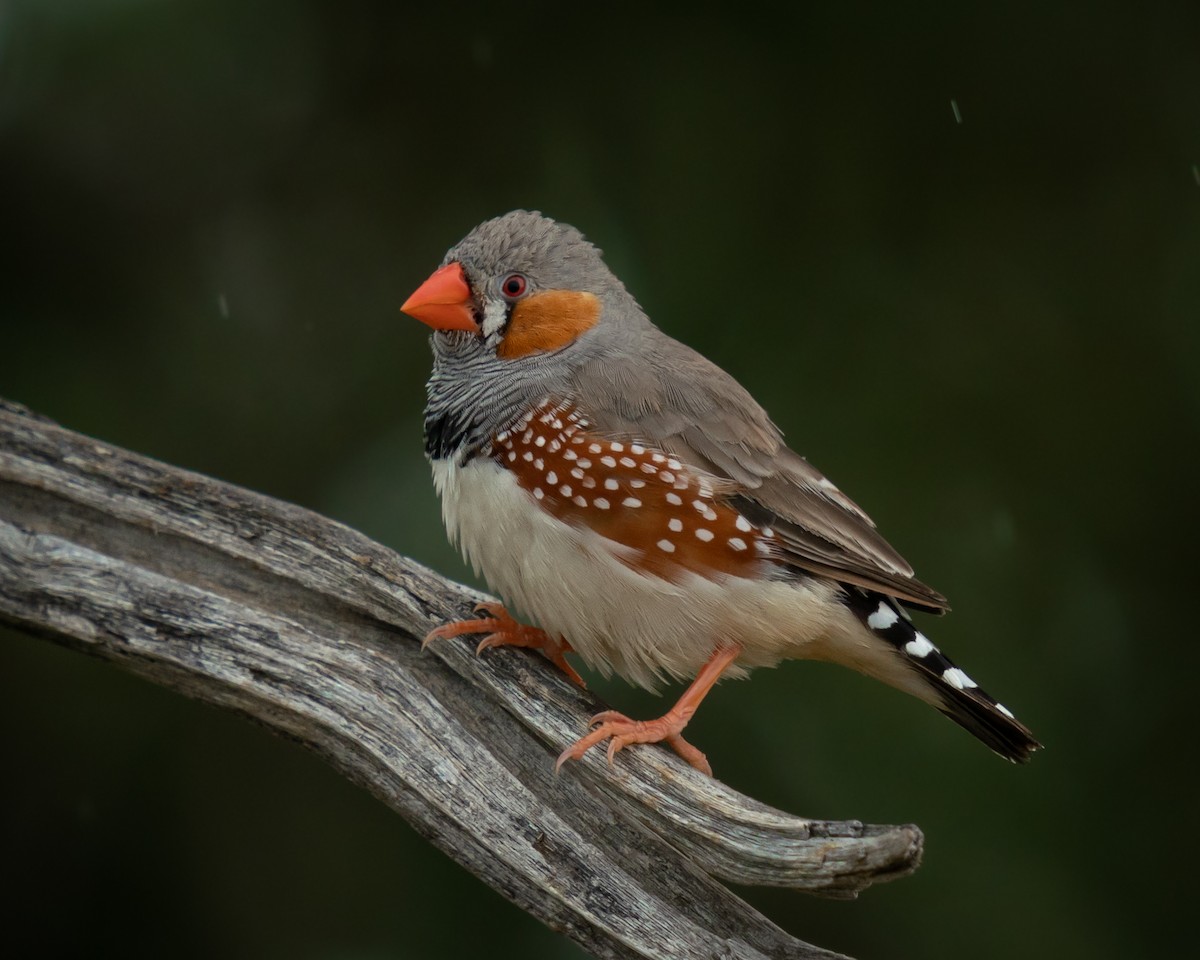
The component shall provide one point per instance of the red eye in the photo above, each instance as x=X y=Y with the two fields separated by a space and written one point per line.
x=513 y=286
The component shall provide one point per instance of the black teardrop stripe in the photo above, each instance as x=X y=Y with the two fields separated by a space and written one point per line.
x=447 y=433
x=968 y=706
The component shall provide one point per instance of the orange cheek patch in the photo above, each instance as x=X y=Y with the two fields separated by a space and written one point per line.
x=547 y=321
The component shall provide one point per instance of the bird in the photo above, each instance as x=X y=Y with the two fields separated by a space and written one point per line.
x=633 y=500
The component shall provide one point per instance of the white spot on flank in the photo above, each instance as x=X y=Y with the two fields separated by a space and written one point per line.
x=637 y=484
x=674 y=464
x=588 y=482
x=768 y=532
x=666 y=477
x=636 y=449
x=710 y=514
x=553 y=446
x=705 y=535
x=675 y=526
x=540 y=441
x=666 y=546
x=649 y=468
x=502 y=436
x=593 y=448
x=737 y=543
x=537 y=493
x=579 y=501
x=674 y=500
x=919 y=646
x=658 y=458
x=551 y=477
x=616 y=447
x=540 y=463
x=633 y=502
x=577 y=473
x=527 y=456
x=1004 y=710
x=600 y=503
x=628 y=462
x=528 y=434
x=743 y=524
x=608 y=461
x=611 y=484
x=585 y=463
x=570 y=455
x=956 y=678
x=558 y=424
x=883 y=617
x=512 y=456
x=565 y=489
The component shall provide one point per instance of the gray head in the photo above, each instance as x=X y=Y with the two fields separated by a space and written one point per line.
x=522 y=284
x=553 y=255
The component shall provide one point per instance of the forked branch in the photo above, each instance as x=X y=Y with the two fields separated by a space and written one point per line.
x=310 y=629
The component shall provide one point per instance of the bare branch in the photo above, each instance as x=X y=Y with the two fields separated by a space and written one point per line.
x=308 y=627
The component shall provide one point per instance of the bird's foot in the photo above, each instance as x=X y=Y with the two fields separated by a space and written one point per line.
x=620 y=732
x=503 y=631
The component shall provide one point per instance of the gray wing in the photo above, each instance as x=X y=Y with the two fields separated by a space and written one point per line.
x=669 y=396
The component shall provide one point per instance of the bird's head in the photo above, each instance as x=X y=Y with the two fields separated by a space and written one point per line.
x=523 y=286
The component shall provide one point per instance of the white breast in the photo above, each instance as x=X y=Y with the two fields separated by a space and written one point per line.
x=570 y=581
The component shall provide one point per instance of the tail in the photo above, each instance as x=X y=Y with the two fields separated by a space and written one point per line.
x=949 y=688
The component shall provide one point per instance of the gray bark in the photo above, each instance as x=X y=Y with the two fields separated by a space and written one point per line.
x=311 y=629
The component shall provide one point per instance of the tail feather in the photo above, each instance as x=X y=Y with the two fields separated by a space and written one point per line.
x=953 y=692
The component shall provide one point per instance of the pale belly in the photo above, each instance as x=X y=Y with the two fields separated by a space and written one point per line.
x=571 y=581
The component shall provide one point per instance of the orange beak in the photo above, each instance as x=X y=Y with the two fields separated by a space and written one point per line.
x=443 y=301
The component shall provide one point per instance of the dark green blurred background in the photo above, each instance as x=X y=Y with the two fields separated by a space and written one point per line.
x=985 y=331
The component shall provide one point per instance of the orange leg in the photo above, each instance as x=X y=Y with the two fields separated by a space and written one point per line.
x=666 y=729
x=503 y=631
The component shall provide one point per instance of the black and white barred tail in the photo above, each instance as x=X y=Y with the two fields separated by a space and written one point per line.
x=954 y=693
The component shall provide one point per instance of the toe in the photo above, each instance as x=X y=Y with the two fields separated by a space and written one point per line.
x=456 y=629
x=690 y=754
x=437 y=633
x=608 y=716
x=495 y=611
x=491 y=640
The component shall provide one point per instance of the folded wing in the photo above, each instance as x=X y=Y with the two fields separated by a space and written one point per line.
x=687 y=406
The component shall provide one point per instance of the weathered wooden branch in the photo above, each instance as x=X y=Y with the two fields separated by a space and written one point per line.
x=310 y=629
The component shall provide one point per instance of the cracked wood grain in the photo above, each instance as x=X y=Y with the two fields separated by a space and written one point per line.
x=310 y=629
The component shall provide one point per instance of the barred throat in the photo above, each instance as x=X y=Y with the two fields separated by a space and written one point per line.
x=472 y=394
x=953 y=692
